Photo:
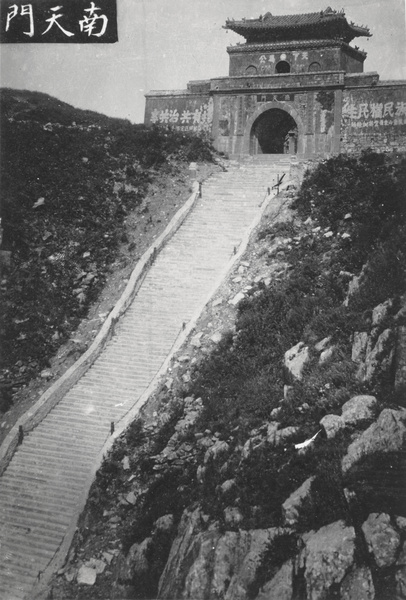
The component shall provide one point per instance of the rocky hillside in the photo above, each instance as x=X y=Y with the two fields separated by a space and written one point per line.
x=270 y=464
x=83 y=196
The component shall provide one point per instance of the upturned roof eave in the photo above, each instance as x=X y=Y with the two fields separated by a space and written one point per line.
x=249 y=28
x=249 y=33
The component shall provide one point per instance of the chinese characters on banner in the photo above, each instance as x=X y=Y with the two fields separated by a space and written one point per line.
x=198 y=120
x=273 y=58
x=374 y=114
x=63 y=21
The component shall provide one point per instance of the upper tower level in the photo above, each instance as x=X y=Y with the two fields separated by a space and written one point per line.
x=296 y=44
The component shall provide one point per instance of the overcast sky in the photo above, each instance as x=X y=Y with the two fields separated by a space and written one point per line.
x=163 y=44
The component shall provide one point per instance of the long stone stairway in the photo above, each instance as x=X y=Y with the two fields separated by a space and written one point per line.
x=41 y=491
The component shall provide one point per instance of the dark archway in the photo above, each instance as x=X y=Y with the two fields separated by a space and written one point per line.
x=274 y=132
x=282 y=67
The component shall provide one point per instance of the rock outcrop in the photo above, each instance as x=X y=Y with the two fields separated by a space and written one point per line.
x=378 y=357
x=248 y=542
x=400 y=575
x=135 y=564
x=358 y=585
x=400 y=359
x=355 y=412
x=387 y=434
x=359 y=409
x=327 y=557
x=292 y=505
x=281 y=586
x=332 y=425
x=382 y=539
x=205 y=563
x=296 y=359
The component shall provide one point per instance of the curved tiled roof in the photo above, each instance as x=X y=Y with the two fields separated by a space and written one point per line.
x=327 y=23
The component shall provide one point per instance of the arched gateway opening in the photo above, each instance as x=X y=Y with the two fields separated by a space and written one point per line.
x=274 y=132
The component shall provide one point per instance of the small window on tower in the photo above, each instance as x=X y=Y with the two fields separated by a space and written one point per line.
x=315 y=66
x=282 y=67
x=251 y=70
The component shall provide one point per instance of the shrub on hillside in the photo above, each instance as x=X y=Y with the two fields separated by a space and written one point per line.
x=68 y=180
x=154 y=145
x=243 y=378
x=370 y=188
x=241 y=382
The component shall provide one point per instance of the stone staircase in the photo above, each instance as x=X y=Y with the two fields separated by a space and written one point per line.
x=43 y=489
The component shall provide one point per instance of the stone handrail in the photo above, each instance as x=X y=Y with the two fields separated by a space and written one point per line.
x=58 y=560
x=55 y=393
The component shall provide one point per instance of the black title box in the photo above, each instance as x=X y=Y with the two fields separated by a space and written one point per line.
x=58 y=22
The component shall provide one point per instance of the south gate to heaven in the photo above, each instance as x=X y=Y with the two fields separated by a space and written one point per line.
x=296 y=86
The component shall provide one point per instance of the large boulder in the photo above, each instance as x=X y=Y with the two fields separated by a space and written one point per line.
x=277 y=437
x=164 y=524
x=358 y=585
x=296 y=359
x=354 y=286
x=323 y=344
x=249 y=553
x=205 y=563
x=292 y=505
x=400 y=575
x=135 y=564
x=354 y=412
x=379 y=358
x=86 y=575
x=382 y=539
x=192 y=411
x=327 y=355
x=233 y=517
x=326 y=558
x=380 y=312
x=388 y=434
x=358 y=409
x=191 y=525
x=332 y=425
x=216 y=452
x=400 y=358
x=359 y=346
x=281 y=586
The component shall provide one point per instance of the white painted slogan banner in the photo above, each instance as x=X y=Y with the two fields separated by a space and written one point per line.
x=374 y=114
x=198 y=119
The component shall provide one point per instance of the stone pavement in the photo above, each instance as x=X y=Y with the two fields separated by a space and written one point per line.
x=43 y=489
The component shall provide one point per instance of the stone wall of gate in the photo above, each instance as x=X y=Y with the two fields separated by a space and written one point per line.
x=374 y=117
x=184 y=111
x=315 y=112
x=349 y=114
x=304 y=56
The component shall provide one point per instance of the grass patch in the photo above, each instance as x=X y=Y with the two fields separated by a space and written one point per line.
x=241 y=382
x=69 y=178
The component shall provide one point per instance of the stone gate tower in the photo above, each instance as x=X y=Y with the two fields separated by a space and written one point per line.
x=295 y=86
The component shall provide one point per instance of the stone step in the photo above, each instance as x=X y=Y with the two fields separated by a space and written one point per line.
x=75 y=420
x=37 y=462
x=52 y=524
x=39 y=513
x=36 y=451
x=40 y=533
x=19 y=571
x=46 y=477
x=69 y=497
x=48 y=438
x=29 y=546
x=24 y=476
x=9 y=592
